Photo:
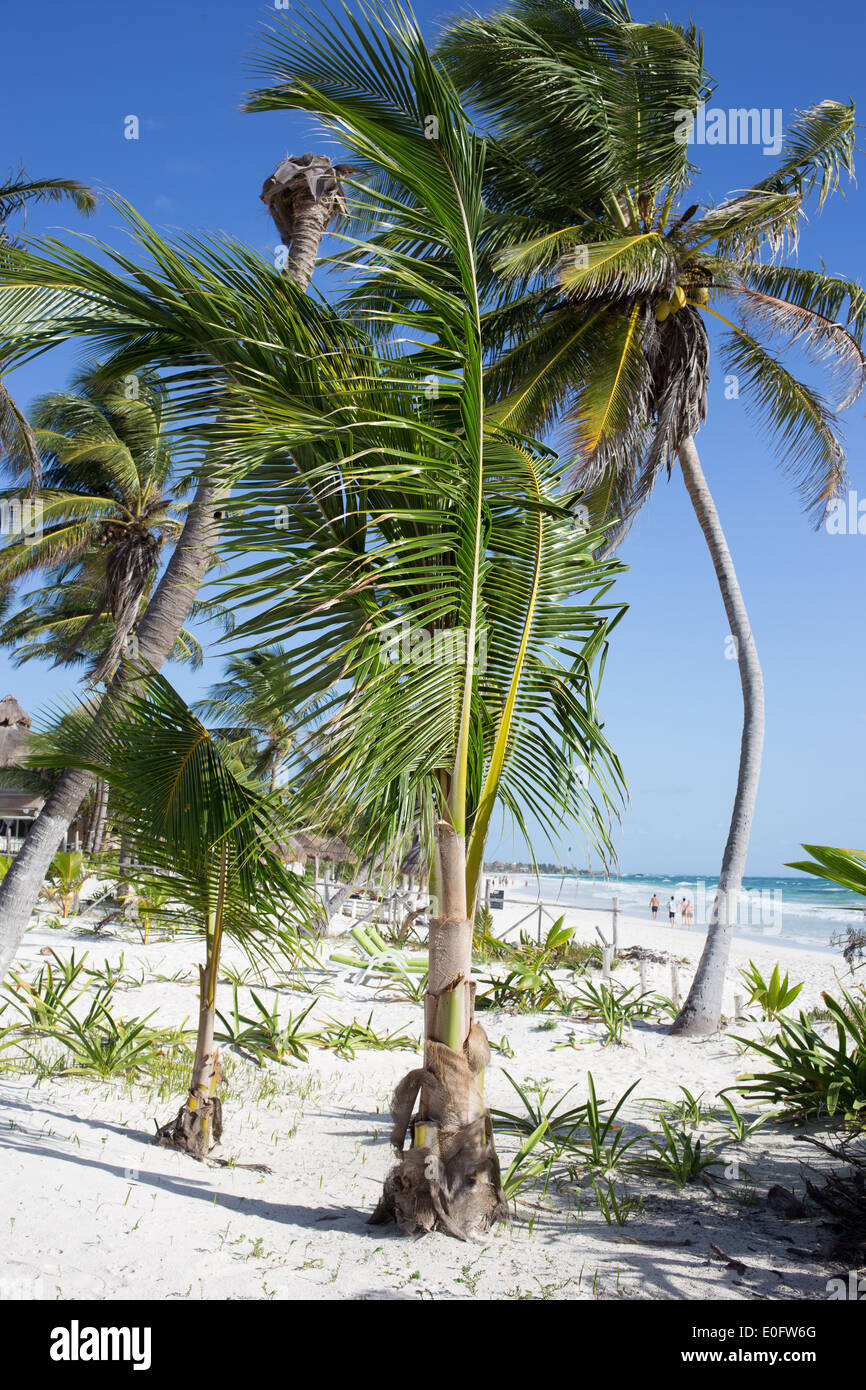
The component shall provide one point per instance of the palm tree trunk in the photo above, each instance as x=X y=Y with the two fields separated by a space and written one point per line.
x=702 y=1011
x=156 y=635
x=87 y=833
x=96 y=829
x=311 y=221
x=448 y=1179
x=199 y=1122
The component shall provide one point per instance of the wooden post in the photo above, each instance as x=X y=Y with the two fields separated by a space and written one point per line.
x=487 y=893
x=738 y=1006
x=615 y=934
x=605 y=962
x=643 y=984
x=675 y=982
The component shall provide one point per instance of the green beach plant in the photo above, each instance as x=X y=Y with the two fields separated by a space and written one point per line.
x=38 y=999
x=67 y=875
x=689 y=1110
x=348 y=1038
x=95 y=1044
x=813 y=1077
x=740 y=1129
x=106 y=976
x=581 y=956
x=847 y=868
x=615 y=1207
x=486 y=946
x=102 y=1045
x=523 y=990
x=773 y=995
x=679 y=1157
x=262 y=1036
x=605 y=1149
x=541 y=1115
x=410 y=988
x=523 y=1171
x=615 y=1007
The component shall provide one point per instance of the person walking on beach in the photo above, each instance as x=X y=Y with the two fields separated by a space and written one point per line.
x=690 y=912
x=654 y=905
x=672 y=911
x=683 y=912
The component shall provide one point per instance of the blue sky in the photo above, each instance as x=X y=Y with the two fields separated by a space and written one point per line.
x=671 y=698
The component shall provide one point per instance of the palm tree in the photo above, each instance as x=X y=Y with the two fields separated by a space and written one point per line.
x=250 y=710
x=604 y=270
x=366 y=502
x=54 y=315
x=108 y=503
x=60 y=622
x=444 y=611
x=203 y=836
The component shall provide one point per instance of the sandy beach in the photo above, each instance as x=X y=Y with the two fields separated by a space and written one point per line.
x=91 y=1208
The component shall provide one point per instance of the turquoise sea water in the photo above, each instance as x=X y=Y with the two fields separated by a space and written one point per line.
x=806 y=911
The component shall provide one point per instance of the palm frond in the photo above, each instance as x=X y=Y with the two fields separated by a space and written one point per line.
x=818 y=151
x=638 y=265
x=609 y=406
x=19 y=191
x=823 y=341
x=799 y=421
x=180 y=804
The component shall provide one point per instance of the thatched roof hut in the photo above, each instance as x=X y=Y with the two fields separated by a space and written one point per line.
x=14 y=723
x=330 y=849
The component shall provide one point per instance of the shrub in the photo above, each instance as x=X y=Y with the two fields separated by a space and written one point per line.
x=615 y=1007
x=679 y=1158
x=541 y=1117
x=812 y=1076
x=773 y=995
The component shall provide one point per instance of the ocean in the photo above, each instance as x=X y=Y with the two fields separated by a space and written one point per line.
x=805 y=911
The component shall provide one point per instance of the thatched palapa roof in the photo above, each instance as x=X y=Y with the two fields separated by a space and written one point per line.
x=334 y=850
x=303 y=847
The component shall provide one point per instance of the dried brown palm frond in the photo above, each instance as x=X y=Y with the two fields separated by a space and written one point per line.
x=843 y=1197
x=825 y=342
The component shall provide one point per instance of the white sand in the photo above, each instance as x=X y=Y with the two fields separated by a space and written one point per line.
x=90 y=1208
